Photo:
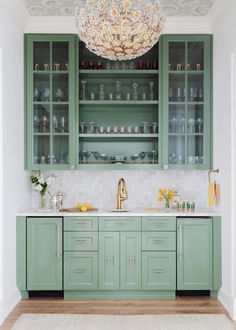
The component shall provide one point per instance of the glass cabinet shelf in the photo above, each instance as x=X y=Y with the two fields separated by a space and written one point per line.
x=121 y=102
x=125 y=72
x=107 y=136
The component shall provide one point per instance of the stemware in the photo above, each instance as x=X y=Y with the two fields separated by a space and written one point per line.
x=63 y=124
x=36 y=123
x=59 y=94
x=83 y=95
x=101 y=93
x=134 y=158
x=144 y=127
x=182 y=125
x=82 y=127
x=152 y=155
x=104 y=157
x=151 y=91
x=36 y=95
x=171 y=94
x=135 y=91
x=46 y=95
x=54 y=124
x=153 y=127
x=191 y=124
x=173 y=123
x=118 y=95
x=199 y=123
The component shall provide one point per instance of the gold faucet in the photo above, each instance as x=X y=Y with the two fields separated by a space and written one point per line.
x=122 y=194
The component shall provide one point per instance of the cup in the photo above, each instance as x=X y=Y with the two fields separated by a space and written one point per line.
x=46 y=67
x=198 y=67
x=129 y=129
x=169 y=66
x=181 y=206
x=36 y=67
x=108 y=129
x=92 y=96
x=128 y=96
x=66 y=67
x=111 y=97
x=56 y=67
x=115 y=129
x=179 y=67
x=101 y=129
x=190 y=206
x=122 y=129
x=188 y=66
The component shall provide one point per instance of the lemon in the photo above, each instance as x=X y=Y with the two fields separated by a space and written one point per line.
x=88 y=205
x=83 y=209
x=79 y=205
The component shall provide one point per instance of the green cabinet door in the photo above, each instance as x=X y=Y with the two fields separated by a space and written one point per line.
x=130 y=261
x=187 y=101
x=158 y=270
x=109 y=261
x=44 y=254
x=80 y=271
x=194 y=254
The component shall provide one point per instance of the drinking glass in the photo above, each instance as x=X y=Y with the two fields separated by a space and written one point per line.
x=54 y=124
x=108 y=65
x=153 y=127
x=101 y=94
x=46 y=94
x=135 y=91
x=191 y=125
x=83 y=127
x=104 y=158
x=118 y=95
x=152 y=155
x=83 y=95
x=151 y=91
x=171 y=94
x=36 y=95
x=199 y=123
x=200 y=94
x=179 y=94
x=134 y=157
x=173 y=123
x=45 y=124
x=36 y=124
x=145 y=126
x=91 y=128
x=182 y=125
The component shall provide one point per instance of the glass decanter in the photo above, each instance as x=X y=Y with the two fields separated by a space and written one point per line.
x=83 y=95
x=118 y=95
x=135 y=91
x=151 y=91
x=101 y=93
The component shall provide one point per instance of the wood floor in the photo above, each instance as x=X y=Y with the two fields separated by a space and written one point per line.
x=180 y=305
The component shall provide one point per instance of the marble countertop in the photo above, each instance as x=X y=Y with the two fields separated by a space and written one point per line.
x=129 y=213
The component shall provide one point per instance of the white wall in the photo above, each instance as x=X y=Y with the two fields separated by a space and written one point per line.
x=224 y=46
x=16 y=192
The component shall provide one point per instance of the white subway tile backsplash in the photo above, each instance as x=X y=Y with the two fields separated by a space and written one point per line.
x=100 y=187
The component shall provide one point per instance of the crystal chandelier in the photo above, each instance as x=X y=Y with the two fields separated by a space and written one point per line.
x=119 y=29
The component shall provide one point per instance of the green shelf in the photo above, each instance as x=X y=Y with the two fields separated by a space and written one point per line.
x=107 y=136
x=110 y=72
x=122 y=102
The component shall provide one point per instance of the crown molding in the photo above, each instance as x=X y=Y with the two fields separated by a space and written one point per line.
x=64 y=25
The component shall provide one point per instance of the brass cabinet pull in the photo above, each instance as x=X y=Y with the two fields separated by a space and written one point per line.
x=159 y=270
x=81 y=270
x=158 y=241
x=109 y=259
x=58 y=241
x=159 y=224
x=131 y=260
x=120 y=224
x=81 y=224
x=180 y=254
x=81 y=241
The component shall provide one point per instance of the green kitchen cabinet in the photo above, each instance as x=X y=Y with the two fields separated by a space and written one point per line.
x=187 y=102
x=44 y=254
x=80 y=270
x=109 y=262
x=194 y=254
x=159 y=270
x=130 y=261
x=50 y=102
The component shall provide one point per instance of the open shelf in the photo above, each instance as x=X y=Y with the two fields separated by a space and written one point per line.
x=114 y=102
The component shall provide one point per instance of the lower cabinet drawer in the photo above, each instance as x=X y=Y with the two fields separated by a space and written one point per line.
x=120 y=223
x=159 y=241
x=158 y=223
x=80 y=241
x=158 y=270
x=80 y=270
x=81 y=223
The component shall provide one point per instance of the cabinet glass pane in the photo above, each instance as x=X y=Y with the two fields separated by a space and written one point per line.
x=41 y=119
x=176 y=56
x=60 y=56
x=195 y=56
x=177 y=87
x=60 y=118
x=176 y=149
x=195 y=119
x=41 y=60
x=60 y=149
x=41 y=153
x=177 y=120
x=41 y=90
x=195 y=149
x=196 y=87
x=60 y=87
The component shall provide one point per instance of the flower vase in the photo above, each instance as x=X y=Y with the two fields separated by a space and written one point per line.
x=167 y=204
x=42 y=201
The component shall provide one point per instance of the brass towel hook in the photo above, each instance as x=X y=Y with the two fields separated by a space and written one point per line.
x=210 y=172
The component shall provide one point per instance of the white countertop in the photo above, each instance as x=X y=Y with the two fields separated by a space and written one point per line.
x=109 y=213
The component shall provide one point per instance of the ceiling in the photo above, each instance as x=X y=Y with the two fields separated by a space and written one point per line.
x=66 y=7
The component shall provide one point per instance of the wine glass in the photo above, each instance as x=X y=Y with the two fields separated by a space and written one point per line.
x=182 y=125
x=36 y=95
x=59 y=94
x=199 y=123
x=104 y=157
x=134 y=157
x=191 y=124
x=152 y=155
x=173 y=123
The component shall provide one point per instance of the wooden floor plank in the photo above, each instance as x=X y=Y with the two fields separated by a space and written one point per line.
x=188 y=305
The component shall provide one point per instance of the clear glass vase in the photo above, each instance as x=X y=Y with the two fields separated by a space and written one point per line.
x=42 y=200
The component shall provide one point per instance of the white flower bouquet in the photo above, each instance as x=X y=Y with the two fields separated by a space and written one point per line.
x=40 y=184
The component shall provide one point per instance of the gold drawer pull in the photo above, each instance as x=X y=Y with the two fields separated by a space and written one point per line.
x=131 y=260
x=120 y=224
x=158 y=241
x=159 y=270
x=159 y=224
x=82 y=224
x=81 y=241
x=81 y=270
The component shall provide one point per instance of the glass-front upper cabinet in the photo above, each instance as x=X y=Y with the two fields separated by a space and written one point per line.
x=187 y=102
x=50 y=102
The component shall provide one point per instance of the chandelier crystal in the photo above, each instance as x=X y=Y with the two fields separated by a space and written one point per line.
x=119 y=29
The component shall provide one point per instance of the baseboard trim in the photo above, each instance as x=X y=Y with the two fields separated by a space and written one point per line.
x=228 y=302
x=7 y=305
